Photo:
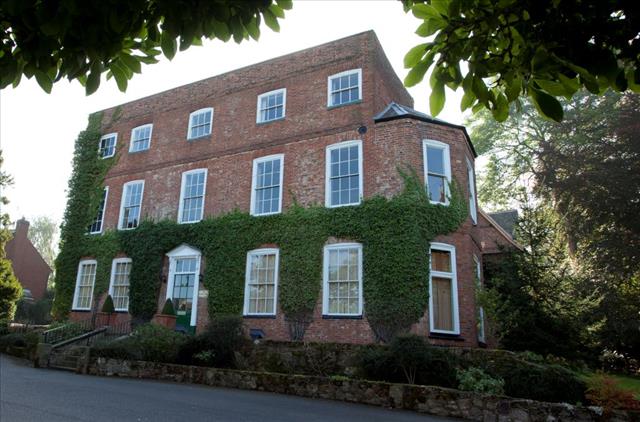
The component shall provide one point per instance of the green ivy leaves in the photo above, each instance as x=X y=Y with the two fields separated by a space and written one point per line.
x=506 y=49
x=395 y=234
x=82 y=40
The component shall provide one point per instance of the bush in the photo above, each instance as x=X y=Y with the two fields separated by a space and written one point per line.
x=107 y=306
x=148 y=342
x=409 y=358
x=604 y=391
x=27 y=340
x=10 y=289
x=527 y=380
x=168 y=308
x=475 y=379
x=217 y=345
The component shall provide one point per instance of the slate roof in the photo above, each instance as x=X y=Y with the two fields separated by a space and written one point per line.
x=506 y=219
x=398 y=111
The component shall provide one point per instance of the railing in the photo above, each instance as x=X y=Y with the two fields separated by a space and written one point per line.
x=68 y=331
x=85 y=329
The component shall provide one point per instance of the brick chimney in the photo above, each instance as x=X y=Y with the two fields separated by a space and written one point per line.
x=22 y=229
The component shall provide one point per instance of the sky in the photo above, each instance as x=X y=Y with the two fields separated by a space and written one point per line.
x=38 y=130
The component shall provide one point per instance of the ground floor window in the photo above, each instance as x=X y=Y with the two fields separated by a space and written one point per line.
x=342 y=280
x=85 y=281
x=119 y=286
x=443 y=290
x=261 y=282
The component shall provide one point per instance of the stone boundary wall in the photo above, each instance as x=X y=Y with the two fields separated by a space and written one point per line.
x=424 y=399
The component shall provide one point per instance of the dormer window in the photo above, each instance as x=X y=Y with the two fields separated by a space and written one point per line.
x=344 y=88
x=140 y=138
x=200 y=122
x=271 y=106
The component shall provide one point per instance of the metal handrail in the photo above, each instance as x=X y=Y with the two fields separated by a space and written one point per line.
x=67 y=331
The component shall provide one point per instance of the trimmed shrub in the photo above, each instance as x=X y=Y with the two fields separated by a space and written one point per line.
x=217 y=345
x=409 y=358
x=148 y=342
x=27 y=340
x=475 y=379
x=168 y=308
x=107 y=306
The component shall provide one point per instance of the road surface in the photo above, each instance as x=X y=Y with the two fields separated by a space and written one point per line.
x=29 y=394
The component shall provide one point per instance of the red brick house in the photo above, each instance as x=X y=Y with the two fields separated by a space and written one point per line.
x=327 y=125
x=28 y=265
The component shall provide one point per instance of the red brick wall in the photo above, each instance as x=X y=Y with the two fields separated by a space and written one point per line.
x=308 y=128
x=27 y=263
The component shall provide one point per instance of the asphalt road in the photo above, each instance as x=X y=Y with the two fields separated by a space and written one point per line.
x=29 y=394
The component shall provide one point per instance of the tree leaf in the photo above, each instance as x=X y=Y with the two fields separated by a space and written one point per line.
x=442 y=6
x=169 y=45
x=132 y=62
x=425 y=11
x=414 y=55
x=285 y=4
x=554 y=88
x=93 y=79
x=547 y=105
x=467 y=99
x=430 y=27
x=416 y=74
x=119 y=75
x=271 y=21
x=45 y=82
x=437 y=99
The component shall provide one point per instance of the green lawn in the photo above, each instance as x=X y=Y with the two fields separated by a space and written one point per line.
x=629 y=383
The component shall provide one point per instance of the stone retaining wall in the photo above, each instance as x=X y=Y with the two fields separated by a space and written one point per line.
x=432 y=400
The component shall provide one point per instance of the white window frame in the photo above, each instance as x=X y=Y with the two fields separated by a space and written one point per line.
x=447 y=167
x=327 y=172
x=123 y=196
x=104 y=209
x=473 y=208
x=254 y=183
x=185 y=252
x=454 y=287
x=150 y=125
x=267 y=94
x=182 y=187
x=93 y=285
x=258 y=252
x=189 y=125
x=114 y=264
x=338 y=75
x=113 y=135
x=325 y=279
x=481 y=323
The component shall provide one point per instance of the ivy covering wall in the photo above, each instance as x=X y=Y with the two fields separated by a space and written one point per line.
x=395 y=234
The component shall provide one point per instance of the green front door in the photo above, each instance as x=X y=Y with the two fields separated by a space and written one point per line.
x=184 y=279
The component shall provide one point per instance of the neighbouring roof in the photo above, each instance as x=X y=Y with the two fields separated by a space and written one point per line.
x=398 y=111
x=506 y=219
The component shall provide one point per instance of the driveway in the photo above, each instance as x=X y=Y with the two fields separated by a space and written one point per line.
x=29 y=394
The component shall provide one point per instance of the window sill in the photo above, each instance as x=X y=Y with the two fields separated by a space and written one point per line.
x=331 y=107
x=80 y=310
x=258 y=316
x=482 y=344
x=270 y=121
x=341 y=316
x=139 y=151
x=444 y=336
x=200 y=138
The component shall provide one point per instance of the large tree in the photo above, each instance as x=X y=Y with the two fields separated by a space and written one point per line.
x=587 y=169
x=79 y=39
x=539 y=49
x=42 y=233
x=10 y=289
